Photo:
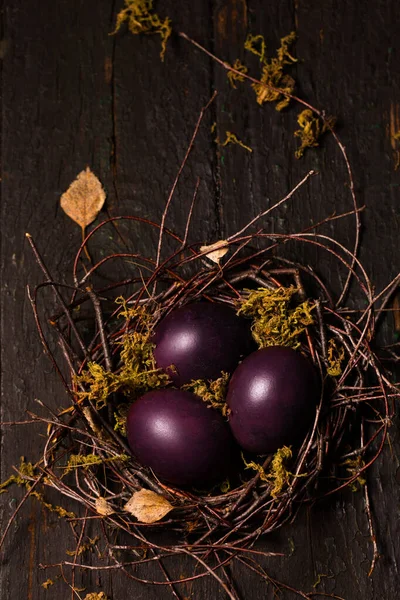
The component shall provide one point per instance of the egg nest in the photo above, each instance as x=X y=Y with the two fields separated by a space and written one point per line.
x=86 y=456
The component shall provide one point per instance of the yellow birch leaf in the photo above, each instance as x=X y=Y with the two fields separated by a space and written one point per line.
x=103 y=507
x=216 y=251
x=147 y=506
x=84 y=199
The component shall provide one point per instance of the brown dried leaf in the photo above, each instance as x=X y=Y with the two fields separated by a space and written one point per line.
x=103 y=507
x=84 y=199
x=147 y=506
x=216 y=251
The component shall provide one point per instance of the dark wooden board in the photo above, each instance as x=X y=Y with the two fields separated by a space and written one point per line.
x=74 y=96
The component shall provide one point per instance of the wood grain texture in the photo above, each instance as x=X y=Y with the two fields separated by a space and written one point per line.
x=73 y=96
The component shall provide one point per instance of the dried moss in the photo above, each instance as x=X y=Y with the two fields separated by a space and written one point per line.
x=120 y=416
x=236 y=77
x=256 y=45
x=211 y=392
x=58 y=510
x=25 y=469
x=311 y=128
x=96 y=596
x=87 y=547
x=353 y=467
x=85 y=461
x=139 y=16
x=275 y=322
x=278 y=475
x=137 y=373
x=46 y=584
x=232 y=139
x=272 y=74
x=335 y=358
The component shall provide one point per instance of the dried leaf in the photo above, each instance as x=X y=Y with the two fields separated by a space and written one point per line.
x=103 y=507
x=147 y=506
x=84 y=199
x=216 y=251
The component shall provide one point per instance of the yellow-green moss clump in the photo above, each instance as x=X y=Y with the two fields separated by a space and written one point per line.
x=275 y=321
x=311 y=128
x=278 y=475
x=212 y=392
x=272 y=73
x=335 y=358
x=138 y=372
x=139 y=16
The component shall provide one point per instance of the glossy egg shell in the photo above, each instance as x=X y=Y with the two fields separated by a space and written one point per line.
x=272 y=397
x=179 y=437
x=201 y=340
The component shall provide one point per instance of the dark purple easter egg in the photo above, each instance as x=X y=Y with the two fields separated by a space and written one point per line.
x=272 y=397
x=174 y=433
x=200 y=340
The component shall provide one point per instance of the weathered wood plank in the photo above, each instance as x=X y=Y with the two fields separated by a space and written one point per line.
x=73 y=96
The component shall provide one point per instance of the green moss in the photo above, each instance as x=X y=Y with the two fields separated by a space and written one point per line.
x=335 y=358
x=25 y=468
x=273 y=74
x=275 y=322
x=233 y=78
x=212 y=392
x=278 y=475
x=231 y=138
x=85 y=461
x=139 y=16
x=137 y=373
x=311 y=128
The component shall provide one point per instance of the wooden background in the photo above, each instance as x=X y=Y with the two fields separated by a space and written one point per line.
x=74 y=96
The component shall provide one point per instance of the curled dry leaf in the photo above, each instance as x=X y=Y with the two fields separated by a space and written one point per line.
x=103 y=507
x=84 y=199
x=216 y=251
x=147 y=506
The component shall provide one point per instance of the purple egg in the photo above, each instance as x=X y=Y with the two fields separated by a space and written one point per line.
x=201 y=340
x=174 y=433
x=272 y=397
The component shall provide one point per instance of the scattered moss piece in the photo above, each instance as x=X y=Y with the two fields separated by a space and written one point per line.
x=25 y=468
x=225 y=486
x=140 y=314
x=59 y=510
x=140 y=18
x=273 y=75
x=353 y=467
x=232 y=139
x=46 y=584
x=236 y=77
x=278 y=474
x=335 y=358
x=120 y=417
x=256 y=45
x=275 y=323
x=256 y=467
x=88 y=546
x=212 y=392
x=96 y=596
x=311 y=129
x=85 y=461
